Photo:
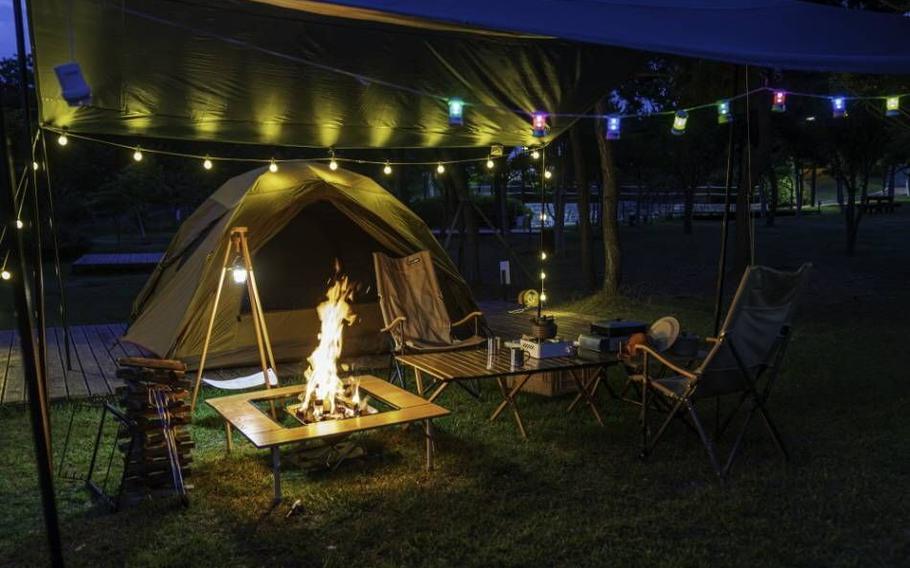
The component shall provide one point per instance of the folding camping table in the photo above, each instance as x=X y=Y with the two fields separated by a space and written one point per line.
x=449 y=367
x=255 y=423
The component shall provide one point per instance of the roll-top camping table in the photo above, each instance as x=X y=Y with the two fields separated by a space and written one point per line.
x=464 y=365
x=262 y=431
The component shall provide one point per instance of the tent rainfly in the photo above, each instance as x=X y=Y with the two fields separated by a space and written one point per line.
x=300 y=219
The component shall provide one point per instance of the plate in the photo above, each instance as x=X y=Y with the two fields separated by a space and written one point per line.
x=663 y=333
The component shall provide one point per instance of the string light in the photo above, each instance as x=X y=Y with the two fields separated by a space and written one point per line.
x=19 y=224
x=543 y=255
x=35 y=166
x=333 y=165
x=543 y=296
x=723 y=112
x=539 y=126
x=543 y=275
x=273 y=166
x=535 y=155
x=5 y=274
x=839 y=107
x=779 y=101
x=490 y=164
x=679 y=122
x=387 y=169
x=892 y=106
x=207 y=163
x=62 y=139
x=440 y=169
x=547 y=174
x=137 y=155
x=613 y=127
x=456 y=112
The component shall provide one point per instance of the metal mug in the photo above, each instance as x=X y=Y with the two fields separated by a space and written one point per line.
x=516 y=357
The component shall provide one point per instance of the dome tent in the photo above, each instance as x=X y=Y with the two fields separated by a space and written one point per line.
x=301 y=219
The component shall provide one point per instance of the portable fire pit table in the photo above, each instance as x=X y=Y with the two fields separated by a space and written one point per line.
x=465 y=365
x=257 y=425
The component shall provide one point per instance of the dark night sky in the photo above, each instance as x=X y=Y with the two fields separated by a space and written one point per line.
x=7 y=30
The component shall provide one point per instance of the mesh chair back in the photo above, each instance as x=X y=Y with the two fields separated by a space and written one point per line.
x=756 y=327
x=408 y=287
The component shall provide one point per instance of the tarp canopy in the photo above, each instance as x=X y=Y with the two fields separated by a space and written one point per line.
x=308 y=73
x=301 y=219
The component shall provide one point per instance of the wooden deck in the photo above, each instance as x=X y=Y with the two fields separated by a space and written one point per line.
x=96 y=348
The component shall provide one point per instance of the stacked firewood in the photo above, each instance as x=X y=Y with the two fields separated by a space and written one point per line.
x=157 y=447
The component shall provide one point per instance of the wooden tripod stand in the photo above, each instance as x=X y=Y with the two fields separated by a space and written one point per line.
x=237 y=260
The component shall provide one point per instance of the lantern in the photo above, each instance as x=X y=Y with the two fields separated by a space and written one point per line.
x=723 y=112
x=614 y=124
x=539 y=126
x=892 y=106
x=456 y=112
x=839 y=107
x=780 y=101
x=679 y=122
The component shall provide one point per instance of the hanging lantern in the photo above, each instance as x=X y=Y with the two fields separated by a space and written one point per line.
x=456 y=112
x=679 y=122
x=892 y=106
x=539 y=126
x=723 y=112
x=839 y=107
x=613 y=127
x=780 y=101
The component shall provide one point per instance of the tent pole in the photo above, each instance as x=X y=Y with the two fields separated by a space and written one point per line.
x=36 y=216
x=34 y=377
x=725 y=223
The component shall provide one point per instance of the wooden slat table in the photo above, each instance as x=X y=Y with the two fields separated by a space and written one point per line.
x=449 y=367
x=262 y=431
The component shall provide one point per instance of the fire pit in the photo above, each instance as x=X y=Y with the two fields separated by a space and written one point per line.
x=327 y=407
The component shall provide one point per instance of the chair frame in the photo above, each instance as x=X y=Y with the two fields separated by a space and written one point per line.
x=682 y=407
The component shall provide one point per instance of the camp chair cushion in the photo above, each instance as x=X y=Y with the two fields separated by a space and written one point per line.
x=423 y=347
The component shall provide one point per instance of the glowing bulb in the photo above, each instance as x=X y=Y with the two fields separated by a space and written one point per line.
x=679 y=122
x=456 y=112
x=723 y=112
x=543 y=216
x=5 y=274
x=839 y=105
x=614 y=125
x=35 y=166
x=387 y=169
x=239 y=274
x=535 y=155
x=490 y=164
x=207 y=164
x=137 y=155
x=543 y=275
x=780 y=101
x=892 y=106
x=273 y=166
x=63 y=140
x=543 y=255
x=440 y=169
x=19 y=223
x=547 y=174
x=333 y=165
x=543 y=296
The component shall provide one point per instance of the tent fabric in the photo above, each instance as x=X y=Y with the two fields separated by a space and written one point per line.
x=785 y=34
x=301 y=219
x=306 y=75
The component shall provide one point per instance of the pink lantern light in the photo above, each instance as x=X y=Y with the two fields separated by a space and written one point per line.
x=780 y=101
x=539 y=126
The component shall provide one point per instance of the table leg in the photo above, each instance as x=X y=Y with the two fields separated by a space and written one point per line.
x=429 y=436
x=442 y=386
x=276 y=472
x=509 y=400
x=583 y=391
x=419 y=377
x=228 y=436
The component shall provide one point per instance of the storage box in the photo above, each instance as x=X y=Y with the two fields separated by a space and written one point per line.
x=548 y=384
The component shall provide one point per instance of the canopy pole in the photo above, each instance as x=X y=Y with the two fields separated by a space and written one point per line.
x=34 y=378
x=36 y=215
x=725 y=223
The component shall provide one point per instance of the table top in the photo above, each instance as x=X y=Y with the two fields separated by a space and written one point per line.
x=262 y=431
x=469 y=364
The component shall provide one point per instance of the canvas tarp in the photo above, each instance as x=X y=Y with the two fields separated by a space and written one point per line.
x=251 y=72
x=300 y=220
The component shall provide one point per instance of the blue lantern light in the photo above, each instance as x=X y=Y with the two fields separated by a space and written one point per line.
x=839 y=107
x=456 y=112
x=614 y=125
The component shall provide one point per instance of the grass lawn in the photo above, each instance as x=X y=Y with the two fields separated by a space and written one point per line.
x=574 y=493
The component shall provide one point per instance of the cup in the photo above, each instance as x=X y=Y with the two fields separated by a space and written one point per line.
x=516 y=358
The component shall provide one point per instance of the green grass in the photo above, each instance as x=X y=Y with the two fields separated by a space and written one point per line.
x=575 y=493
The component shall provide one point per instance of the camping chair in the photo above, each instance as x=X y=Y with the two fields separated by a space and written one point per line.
x=750 y=347
x=414 y=313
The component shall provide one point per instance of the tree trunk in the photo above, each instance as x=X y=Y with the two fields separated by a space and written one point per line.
x=588 y=278
x=610 y=198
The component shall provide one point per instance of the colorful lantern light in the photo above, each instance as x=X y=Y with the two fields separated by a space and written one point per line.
x=723 y=112
x=892 y=106
x=679 y=122
x=614 y=125
x=839 y=107
x=539 y=126
x=456 y=112
x=780 y=101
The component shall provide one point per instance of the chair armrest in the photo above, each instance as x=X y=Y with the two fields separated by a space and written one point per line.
x=712 y=340
x=467 y=318
x=393 y=323
x=666 y=362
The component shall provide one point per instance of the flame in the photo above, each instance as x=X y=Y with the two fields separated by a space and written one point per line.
x=322 y=381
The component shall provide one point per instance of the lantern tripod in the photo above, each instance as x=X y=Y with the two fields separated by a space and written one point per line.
x=238 y=262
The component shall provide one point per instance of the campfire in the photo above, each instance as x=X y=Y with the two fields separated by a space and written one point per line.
x=327 y=396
